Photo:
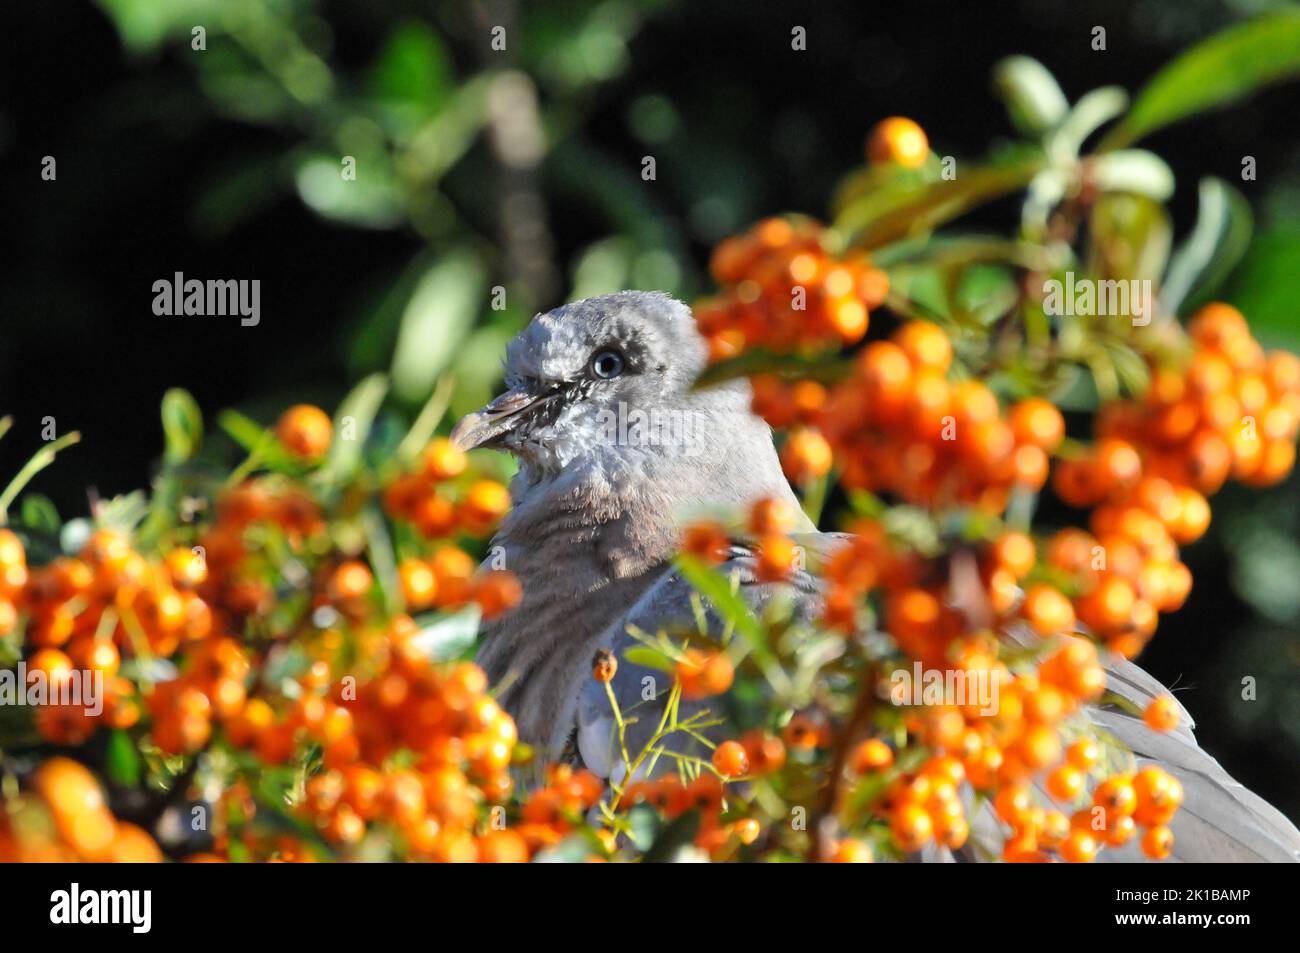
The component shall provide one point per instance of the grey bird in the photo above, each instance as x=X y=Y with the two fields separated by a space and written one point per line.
x=615 y=450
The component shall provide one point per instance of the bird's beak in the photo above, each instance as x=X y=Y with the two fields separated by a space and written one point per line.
x=485 y=426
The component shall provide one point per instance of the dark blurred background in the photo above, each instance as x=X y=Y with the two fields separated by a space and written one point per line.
x=521 y=168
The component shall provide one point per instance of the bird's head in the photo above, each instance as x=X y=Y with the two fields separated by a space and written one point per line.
x=601 y=379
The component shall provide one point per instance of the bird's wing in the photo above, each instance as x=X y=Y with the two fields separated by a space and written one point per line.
x=671 y=605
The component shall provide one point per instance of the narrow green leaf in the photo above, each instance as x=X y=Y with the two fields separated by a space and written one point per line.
x=1227 y=67
x=123 y=759
x=648 y=657
x=716 y=588
x=450 y=637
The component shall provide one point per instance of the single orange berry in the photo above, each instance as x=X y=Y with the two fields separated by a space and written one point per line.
x=1162 y=714
x=305 y=431
x=871 y=755
x=899 y=140
x=1158 y=843
x=730 y=759
x=604 y=665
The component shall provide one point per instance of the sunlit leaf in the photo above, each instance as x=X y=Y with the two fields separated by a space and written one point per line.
x=1227 y=67
x=437 y=317
x=451 y=636
x=182 y=423
x=916 y=208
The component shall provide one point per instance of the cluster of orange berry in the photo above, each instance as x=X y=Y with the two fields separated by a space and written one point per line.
x=1233 y=411
x=900 y=425
x=419 y=751
x=437 y=503
x=66 y=818
x=268 y=570
x=783 y=288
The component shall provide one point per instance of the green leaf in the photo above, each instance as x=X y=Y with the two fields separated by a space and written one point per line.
x=352 y=422
x=450 y=637
x=1227 y=67
x=39 y=514
x=912 y=206
x=648 y=657
x=1033 y=97
x=182 y=425
x=414 y=69
x=123 y=759
x=438 y=316
x=1212 y=250
x=258 y=441
x=734 y=610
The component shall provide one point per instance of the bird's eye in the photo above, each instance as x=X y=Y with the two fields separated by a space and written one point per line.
x=607 y=364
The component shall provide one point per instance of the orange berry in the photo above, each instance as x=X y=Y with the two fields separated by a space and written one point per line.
x=1083 y=754
x=703 y=674
x=1158 y=843
x=707 y=541
x=453 y=568
x=1079 y=847
x=1065 y=783
x=1193 y=516
x=1162 y=714
x=419 y=584
x=776 y=557
x=604 y=665
x=305 y=431
x=1048 y=610
x=925 y=345
x=730 y=760
x=1216 y=324
x=1037 y=422
x=486 y=501
x=1016 y=553
x=1116 y=796
x=350 y=581
x=806 y=455
x=911 y=827
x=804 y=732
x=852 y=851
x=772 y=516
x=443 y=460
x=497 y=592
x=870 y=755
x=766 y=753
x=899 y=140
x=502 y=847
